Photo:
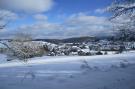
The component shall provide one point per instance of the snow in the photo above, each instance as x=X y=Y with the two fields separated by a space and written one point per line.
x=74 y=72
x=2 y=46
x=85 y=50
x=67 y=59
x=3 y=58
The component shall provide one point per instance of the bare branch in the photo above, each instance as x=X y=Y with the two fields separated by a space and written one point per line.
x=127 y=7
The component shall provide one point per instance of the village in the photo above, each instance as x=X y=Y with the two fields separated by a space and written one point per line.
x=101 y=47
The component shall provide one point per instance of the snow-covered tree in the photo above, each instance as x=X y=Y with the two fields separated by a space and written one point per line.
x=123 y=18
x=125 y=33
x=122 y=7
x=23 y=47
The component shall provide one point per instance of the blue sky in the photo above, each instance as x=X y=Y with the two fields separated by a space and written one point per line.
x=68 y=7
x=76 y=6
x=50 y=18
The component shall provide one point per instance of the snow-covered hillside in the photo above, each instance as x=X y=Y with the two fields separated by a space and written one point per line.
x=77 y=72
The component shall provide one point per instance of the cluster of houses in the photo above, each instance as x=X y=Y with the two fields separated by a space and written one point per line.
x=102 y=47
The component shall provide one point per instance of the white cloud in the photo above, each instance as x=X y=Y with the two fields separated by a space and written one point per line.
x=42 y=29
x=7 y=15
x=82 y=24
x=84 y=19
x=74 y=26
x=28 y=6
x=40 y=17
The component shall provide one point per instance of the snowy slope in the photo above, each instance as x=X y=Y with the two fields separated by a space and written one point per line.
x=3 y=58
x=96 y=60
x=85 y=72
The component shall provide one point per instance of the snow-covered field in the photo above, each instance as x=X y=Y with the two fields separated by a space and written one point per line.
x=77 y=72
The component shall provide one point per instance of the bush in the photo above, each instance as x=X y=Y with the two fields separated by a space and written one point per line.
x=25 y=50
x=99 y=53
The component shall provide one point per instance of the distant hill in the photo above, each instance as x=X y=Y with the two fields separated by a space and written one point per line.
x=69 y=40
x=79 y=39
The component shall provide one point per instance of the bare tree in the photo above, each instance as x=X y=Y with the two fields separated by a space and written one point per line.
x=21 y=47
x=123 y=16
x=6 y=17
x=121 y=7
x=22 y=37
x=1 y=25
x=24 y=48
